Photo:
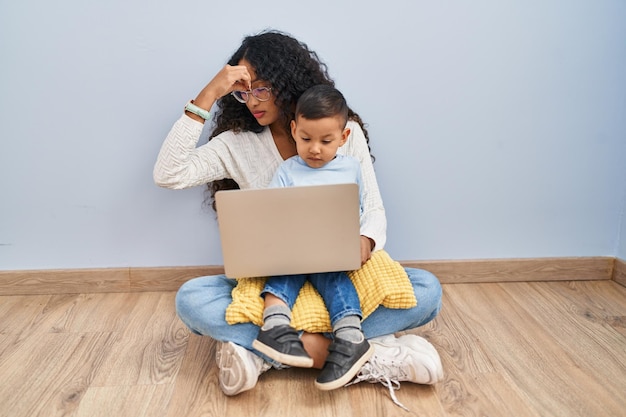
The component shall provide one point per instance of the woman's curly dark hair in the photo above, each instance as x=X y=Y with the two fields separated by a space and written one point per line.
x=290 y=67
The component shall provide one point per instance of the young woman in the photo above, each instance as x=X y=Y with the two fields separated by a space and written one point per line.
x=256 y=94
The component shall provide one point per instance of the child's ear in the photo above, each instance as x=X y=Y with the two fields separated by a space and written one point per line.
x=293 y=128
x=344 y=136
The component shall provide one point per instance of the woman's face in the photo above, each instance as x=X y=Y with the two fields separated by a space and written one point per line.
x=266 y=113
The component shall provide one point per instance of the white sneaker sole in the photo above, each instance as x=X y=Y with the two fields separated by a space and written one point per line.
x=233 y=378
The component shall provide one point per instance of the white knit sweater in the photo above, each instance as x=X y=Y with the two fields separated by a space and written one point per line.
x=251 y=160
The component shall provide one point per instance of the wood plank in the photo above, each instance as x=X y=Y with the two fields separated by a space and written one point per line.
x=514 y=270
x=473 y=384
x=18 y=312
x=619 y=272
x=26 y=317
x=581 y=316
x=196 y=383
x=480 y=308
x=125 y=400
x=149 y=350
x=170 y=278
x=49 y=375
x=100 y=312
x=368 y=399
x=545 y=373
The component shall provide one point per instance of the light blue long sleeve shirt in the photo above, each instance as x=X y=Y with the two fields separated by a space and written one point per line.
x=341 y=170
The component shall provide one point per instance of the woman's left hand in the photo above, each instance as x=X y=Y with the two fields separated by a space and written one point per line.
x=367 y=245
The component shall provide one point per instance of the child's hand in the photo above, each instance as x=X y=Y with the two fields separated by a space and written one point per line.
x=367 y=245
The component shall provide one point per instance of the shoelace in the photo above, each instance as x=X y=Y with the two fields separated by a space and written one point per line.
x=374 y=371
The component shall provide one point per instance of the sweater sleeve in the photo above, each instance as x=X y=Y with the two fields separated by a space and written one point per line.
x=180 y=164
x=373 y=221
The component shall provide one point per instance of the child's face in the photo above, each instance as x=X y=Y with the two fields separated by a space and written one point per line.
x=317 y=140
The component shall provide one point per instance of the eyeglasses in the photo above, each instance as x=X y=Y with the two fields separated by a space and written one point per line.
x=261 y=94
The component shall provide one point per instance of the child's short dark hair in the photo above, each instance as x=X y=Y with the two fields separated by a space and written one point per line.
x=322 y=101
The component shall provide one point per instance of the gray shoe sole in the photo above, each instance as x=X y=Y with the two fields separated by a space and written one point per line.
x=349 y=375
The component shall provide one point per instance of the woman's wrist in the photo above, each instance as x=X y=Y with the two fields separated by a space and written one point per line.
x=203 y=102
x=371 y=242
x=194 y=116
x=198 y=109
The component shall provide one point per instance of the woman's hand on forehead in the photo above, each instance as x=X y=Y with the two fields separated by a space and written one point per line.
x=232 y=77
x=228 y=79
x=242 y=77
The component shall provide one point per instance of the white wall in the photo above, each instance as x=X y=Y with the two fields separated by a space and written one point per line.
x=499 y=129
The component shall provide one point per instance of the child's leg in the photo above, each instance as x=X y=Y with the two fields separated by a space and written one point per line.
x=275 y=313
x=349 y=328
x=342 y=303
x=277 y=339
x=279 y=295
x=350 y=350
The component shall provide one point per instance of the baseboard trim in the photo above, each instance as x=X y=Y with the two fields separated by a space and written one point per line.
x=78 y=281
x=523 y=269
x=619 y=272
x=134 y=279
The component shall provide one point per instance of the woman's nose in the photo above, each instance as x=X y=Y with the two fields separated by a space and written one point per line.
x=252 y=101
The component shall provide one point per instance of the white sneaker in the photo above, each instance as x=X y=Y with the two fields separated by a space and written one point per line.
x=239 y=368
x=406 y=358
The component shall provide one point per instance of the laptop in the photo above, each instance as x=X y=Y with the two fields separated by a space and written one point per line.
x=292 y=230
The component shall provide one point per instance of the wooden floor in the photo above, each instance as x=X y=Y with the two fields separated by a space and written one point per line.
x=508 y=349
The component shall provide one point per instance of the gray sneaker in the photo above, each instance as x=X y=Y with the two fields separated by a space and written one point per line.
x=239 y=368
x=282 y=344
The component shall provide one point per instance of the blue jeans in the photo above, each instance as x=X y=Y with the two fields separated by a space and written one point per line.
x=201 y=304
x=335 y=288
